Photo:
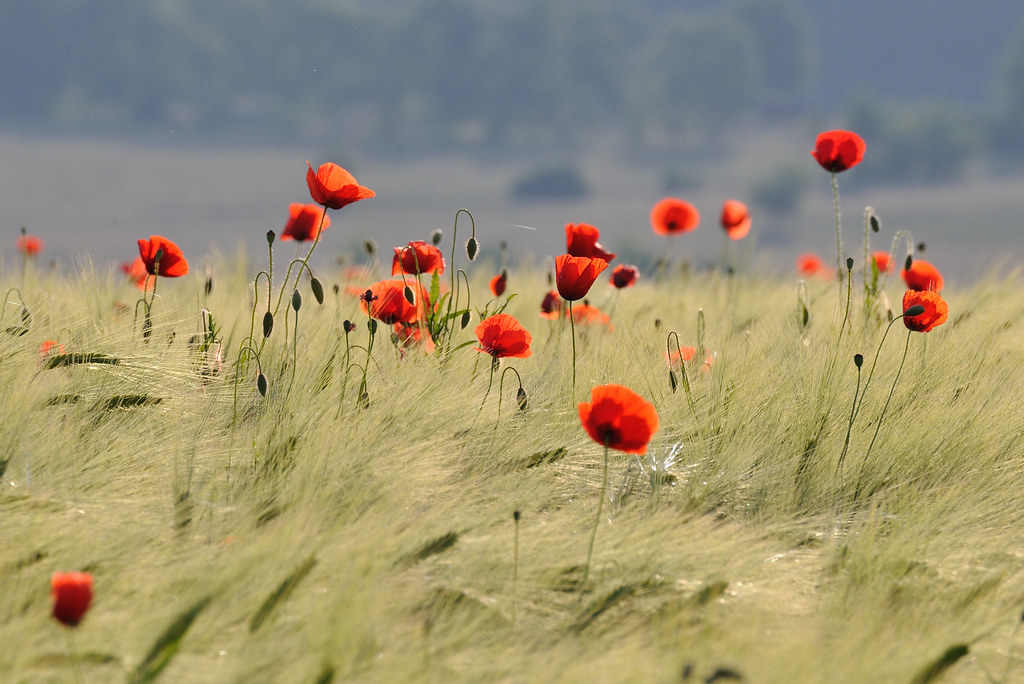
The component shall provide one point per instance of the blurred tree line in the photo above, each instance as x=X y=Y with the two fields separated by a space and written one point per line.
x=501 y=76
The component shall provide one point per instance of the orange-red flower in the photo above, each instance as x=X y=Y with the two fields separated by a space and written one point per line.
x=172 y=261
x=810 y=264
x=334 y=187
x=418 y=257
x=922 y=276
x=881 y=259
x=385 y=301
x=72 y=595
x=735 y=219
x=935 y=310
x=407 y=335
x=672 y=215
x=837 y=151
x=586 y=314
x=499 y=283
x=619 y=418
x=624 y=275
x=135 y=271
x=502 y=335
x=50 y=346
x=30 y=245
x=686 y=354
x=575 y=275
x=304 y=222
x=551 y=306
x=581 y=240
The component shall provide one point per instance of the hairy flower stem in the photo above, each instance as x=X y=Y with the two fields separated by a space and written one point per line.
x=369 y=347
x=344 y=374
x=490 y=381
x=839 y=234
x=515 y=564
x=871 y=373
x=572 y=327
x=849 y=427
x=878 y=426
x=597 y=518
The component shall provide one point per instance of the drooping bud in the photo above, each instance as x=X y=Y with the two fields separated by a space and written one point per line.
x=296 y=299
x=465 y=320
x=409 y=296
x=672 y=382
x=370 y=247
x=268 y=324
x=261 y=384
x=876 y=223
x=521 y=398
x=270 y=237
x=858 y=360
x=437 y=237
x=472 y=247
x=908 y=263
x=318 y=290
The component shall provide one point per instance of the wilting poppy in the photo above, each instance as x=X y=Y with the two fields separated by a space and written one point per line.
x=624 y=275
x=922 y=276
x=407 y=335
x=881 y=259
x=837 y=151
x=172 y=261
x=72 y=595
x=810 y=264
x=499 y=283
x=671 y=215
x=304 y=222
x=334 y=187
x=735 y=219
x=581 y=241
x=30 y=245
x=551 y=306
x=575 y=275
x=502 y=335
x=586 y=314
x=385 y=301
x=619 y=418
x=417 y=257
x=935 y=310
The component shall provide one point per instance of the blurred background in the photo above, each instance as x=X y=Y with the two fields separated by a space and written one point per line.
x=194 y=120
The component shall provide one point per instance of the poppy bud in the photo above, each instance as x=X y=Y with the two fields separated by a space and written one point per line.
x=72 y=595
x=270 y=237
x=296 y=300
x=336 y=288
x=369 y=247
x=348 y=325
x=516 y=516
x=908 y=263
x=657 y=323
x=364 y=399
x=437 y=236
x=465 y=319
x=268 y=324
x=805 y=315
x=409 y=296
x=472 y=247
x=876 y=225
x=371 y=325
x=849 y=263
x=318 y=290
x=858 y=360
x=915 y=310
x=208 y=286
x=26 y=317
x=672 y=382
x=261 y=384
x=521 y=398
x=920 y=247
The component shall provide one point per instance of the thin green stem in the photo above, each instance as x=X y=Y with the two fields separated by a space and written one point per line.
x=76 y=660
x=871 y=373
x=839 y=234
x=849 y=427
x=597 y=518
x=572 y=327
x=892 y=389
x=490 y=381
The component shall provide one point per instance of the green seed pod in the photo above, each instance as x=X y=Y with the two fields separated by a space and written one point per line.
x=296 y=300
x=318 y=290
x=270 y=237
x=472 y=247
x=261 y=384
x=268 y=324
x=858 y=360
x=849 y=263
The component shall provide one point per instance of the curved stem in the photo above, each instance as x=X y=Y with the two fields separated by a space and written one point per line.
x=878 y=426
x=849 y=427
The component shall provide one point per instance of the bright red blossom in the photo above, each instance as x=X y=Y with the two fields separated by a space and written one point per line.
x=575 y=275
x=50 y=346
x=30 y=245
x=304 y=222
x=619 y=418
x=671 y=215
x=72 y=595
x=172 y=260
x=418 y=257
x=581 y=240
x=551 y=306
x=334 y=187
x=499 y=283
x=810 y=264
x=585 y=314
x=922 y=276
x=881 y=259
x=735 y=219
x=387 y=303
x=935 y=310
x=624 y=275
x=501 y=335
x=838 y=151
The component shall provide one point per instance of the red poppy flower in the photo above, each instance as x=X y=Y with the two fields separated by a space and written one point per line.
x=881 y=259
x=72 y=594
x=135 y=271
x=581 y=240
x=499 y=283
x=671 y=215
x=810 y=264
x=407 y=335
x=30 y=245
x=334 y=187
x=624 y=275
x=417 y=257
x=551 y=305
x=935 y=310
x=172 y=261
x=502 y=335
x=304 y=222
x=386 y=302
x=50 y=346
x=575 y=275
x=619 y=418
x=838 y=150
x=586 y=314
x=686 y=354
x=735 y=219
x=922 y=276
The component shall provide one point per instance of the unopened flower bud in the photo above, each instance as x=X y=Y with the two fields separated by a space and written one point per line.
x=270 y=237
x=296 y=300
x=472 y=247
x=858 y=360
x=437 y=236
x=369 y=247
x=268 y=324
x=409 y=296
x=318 y=290
x=849 y=263
x=915 y=310
x=261 y=384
